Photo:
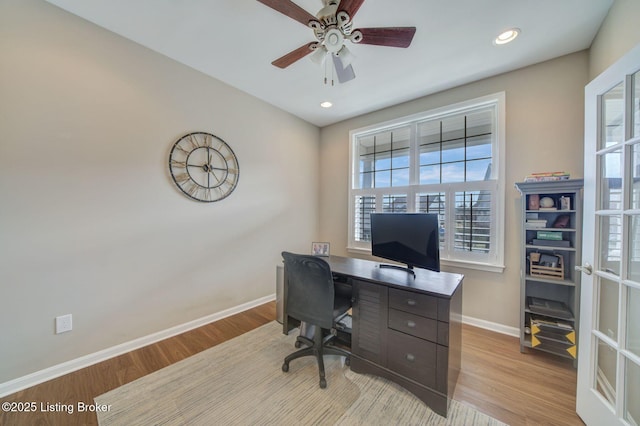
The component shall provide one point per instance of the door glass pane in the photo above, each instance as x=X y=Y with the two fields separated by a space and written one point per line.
x=612 y=131
x=610 y=243
x=611 y=181
x=633 y=266
x=608 y=308
x=632 y=393
x=606 y=371
x=633 y=321
x=635 y=176
x=636 y=105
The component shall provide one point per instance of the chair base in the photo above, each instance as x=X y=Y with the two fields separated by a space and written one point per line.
x=318 y=348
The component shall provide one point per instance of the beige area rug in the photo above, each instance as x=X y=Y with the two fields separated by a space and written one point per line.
x=240 y=382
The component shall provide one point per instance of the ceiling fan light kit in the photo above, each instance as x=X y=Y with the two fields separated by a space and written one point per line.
x=332 y=26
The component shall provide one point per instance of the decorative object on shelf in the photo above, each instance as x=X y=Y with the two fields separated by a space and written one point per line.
x=562 y=221
x=320 y=249
x=565 y=203
x=534 y=202
x=204 y=167
x=332 y=27
x=547 y=202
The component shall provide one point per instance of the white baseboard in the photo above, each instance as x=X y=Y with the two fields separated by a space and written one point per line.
x=492 y=326
x=41 y=376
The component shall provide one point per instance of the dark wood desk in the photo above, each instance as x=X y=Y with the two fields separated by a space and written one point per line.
x=405 y=329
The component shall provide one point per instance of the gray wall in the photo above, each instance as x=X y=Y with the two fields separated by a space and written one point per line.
x=90 y=221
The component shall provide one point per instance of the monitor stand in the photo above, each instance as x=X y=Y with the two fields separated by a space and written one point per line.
x=409 y=269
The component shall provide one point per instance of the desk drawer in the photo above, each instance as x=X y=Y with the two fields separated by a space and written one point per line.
x=415 y=325
x=413 y=358
x=415 y=303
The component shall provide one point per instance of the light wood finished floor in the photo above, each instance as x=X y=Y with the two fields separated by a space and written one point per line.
x=518 y=389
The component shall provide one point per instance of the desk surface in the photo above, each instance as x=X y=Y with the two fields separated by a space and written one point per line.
x=442 y=284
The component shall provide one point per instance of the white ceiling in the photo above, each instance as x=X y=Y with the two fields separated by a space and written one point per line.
x=235 y=41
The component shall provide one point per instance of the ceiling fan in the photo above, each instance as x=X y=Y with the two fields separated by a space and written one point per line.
x=332 y=25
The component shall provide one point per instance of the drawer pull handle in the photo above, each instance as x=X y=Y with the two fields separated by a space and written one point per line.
x=411 y=302
x=410 y=357
x=411 y=324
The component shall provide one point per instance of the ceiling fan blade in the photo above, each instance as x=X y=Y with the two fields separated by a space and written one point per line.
x=294 y=55
x=350 y=6
x=344 y=73
x=388 y=36
x=292 y=10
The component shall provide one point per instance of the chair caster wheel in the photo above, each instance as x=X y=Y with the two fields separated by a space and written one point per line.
x=298 y=344
x=323 y=383
x=285 y=367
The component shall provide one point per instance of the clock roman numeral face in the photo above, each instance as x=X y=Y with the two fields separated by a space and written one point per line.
x=204 y=167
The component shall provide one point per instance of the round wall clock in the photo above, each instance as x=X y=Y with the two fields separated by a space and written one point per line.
x=204 y=167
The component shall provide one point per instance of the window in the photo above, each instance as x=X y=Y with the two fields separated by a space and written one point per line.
x=446 y=161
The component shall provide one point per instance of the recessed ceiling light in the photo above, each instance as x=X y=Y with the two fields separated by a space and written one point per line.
x=507 y=36
x=326 y=104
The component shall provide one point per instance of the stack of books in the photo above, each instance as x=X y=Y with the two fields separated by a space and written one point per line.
x=536 y=223
x=546 y=176
x=550 y=238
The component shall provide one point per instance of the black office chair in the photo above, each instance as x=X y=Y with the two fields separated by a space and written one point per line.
x=311 y=298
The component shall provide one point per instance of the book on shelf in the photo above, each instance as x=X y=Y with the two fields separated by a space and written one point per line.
x=551 y=243
x=538 y=323
x=537 y=224
x=549 y=235
x=547 y=176
x=553 y=308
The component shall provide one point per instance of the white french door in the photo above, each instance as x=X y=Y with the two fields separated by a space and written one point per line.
x=608 y=391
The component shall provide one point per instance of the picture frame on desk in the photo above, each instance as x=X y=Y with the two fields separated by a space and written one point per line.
x=320 y=249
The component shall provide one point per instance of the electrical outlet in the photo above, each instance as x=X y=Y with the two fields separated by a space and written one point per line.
x=63 y=323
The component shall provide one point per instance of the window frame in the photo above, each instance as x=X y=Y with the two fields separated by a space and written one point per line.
x=496 y=184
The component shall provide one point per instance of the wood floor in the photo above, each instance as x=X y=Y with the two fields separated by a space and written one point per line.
x=518 y=389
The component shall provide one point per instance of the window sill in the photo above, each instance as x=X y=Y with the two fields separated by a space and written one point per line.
x=478 y=266
x=487 y=267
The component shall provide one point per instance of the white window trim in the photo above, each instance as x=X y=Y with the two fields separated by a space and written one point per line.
x=498 y=100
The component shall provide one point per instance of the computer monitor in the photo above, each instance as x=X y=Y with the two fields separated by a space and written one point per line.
x=409 y=238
